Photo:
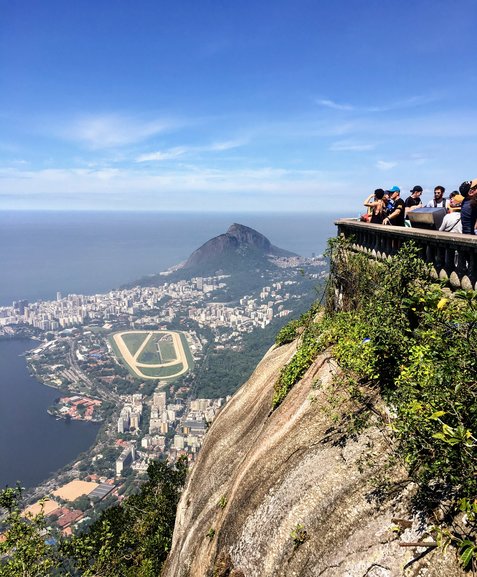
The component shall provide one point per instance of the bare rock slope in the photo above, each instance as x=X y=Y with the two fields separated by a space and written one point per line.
x=276 y=494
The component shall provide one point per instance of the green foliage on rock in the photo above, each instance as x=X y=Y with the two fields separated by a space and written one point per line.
x=134 y=538
x=294 y=328
x=128 y=540
x=25 y=550
x=395 y=331
x=297 y=367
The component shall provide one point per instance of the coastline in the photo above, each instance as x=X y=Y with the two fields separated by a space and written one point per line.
x=41 y=447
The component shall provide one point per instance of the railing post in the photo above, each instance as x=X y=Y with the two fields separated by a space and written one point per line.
x=453 y=257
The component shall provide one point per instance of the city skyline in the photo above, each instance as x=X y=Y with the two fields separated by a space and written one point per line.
x=276 y=106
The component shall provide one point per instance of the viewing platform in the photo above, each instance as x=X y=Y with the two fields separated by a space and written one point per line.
x=453 y=257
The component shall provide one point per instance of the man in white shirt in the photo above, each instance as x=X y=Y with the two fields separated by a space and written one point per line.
x=438 y=201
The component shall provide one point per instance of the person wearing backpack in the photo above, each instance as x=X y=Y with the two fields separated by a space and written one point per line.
x=438 y=201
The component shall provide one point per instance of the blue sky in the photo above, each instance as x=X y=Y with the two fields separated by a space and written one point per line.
x=272 y=105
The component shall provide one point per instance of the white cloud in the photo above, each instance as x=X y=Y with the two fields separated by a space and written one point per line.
x=181 y=150
x=158 y=156
x=410 y=102
x=225 y=145
x=350 y=146
x=385 y=165
x=334 y=105
x=267 y=188
x=110 y=130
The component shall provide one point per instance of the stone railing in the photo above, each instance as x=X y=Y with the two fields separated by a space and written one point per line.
x=453 y=256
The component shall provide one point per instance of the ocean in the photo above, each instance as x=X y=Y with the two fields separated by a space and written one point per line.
x=42 y=253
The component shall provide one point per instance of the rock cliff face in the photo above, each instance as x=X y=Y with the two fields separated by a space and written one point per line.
x=283 y=494
x=239 y=242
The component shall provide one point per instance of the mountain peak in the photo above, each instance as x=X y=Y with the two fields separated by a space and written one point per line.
x=237 y=246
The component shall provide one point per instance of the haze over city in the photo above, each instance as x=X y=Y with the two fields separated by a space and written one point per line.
x=219 y=106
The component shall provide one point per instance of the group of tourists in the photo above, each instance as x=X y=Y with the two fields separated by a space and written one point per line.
x=387 y=207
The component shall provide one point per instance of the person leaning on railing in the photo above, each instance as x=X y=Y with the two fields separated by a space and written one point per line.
x=414 y=201
x=396 y=217
x=376 y=207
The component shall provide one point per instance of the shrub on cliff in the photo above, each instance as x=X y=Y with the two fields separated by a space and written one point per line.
x=393 y=329
x=128 y=540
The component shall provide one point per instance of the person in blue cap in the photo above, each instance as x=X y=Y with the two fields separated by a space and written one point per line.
x=397 y=216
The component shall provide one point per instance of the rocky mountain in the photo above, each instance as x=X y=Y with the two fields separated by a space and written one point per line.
x=240 y=246
x=282 y=493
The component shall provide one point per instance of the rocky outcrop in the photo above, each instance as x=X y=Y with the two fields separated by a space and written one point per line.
x=284 y=494
x=238 y=243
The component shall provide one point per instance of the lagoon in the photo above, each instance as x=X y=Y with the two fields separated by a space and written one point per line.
x=33 y=445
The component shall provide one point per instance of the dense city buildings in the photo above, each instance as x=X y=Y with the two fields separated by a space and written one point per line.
x=143 y=418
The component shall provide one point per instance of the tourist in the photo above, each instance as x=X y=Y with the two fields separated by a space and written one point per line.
x=438 y=201
x=452 y=220
x=376 y=206
x=388 y=198
x=378 y=210
x=414 y=201
x=397 y=216
x=451 y=196
x=468 y=212
x=388 y=201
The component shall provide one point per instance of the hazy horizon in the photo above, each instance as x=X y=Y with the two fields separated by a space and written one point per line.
x=42 y=252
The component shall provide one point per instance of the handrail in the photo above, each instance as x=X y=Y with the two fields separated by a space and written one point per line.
x=453 y=257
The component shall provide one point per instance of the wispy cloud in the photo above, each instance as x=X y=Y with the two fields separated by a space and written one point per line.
x=164 y=155
x=410 y=102
x=386 y=164
x=225 y=145
x=175 y=152
x=350 y=146
x=327 y=103
x=173 y=188
x=111 y=130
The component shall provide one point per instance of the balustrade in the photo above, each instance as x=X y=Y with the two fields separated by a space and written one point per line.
x=453 y=257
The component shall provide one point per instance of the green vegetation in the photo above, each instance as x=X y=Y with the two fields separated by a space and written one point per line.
x=397 y=333
x=133 y=341
x=304 y=356
x=162 y=372
x=223 y=502
x=224 y=371
x=128 y=540
x=167 y=349
x=149 y=353
x=299 y=535
x=159 y=349
x=25 y=551
x=294 y=328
